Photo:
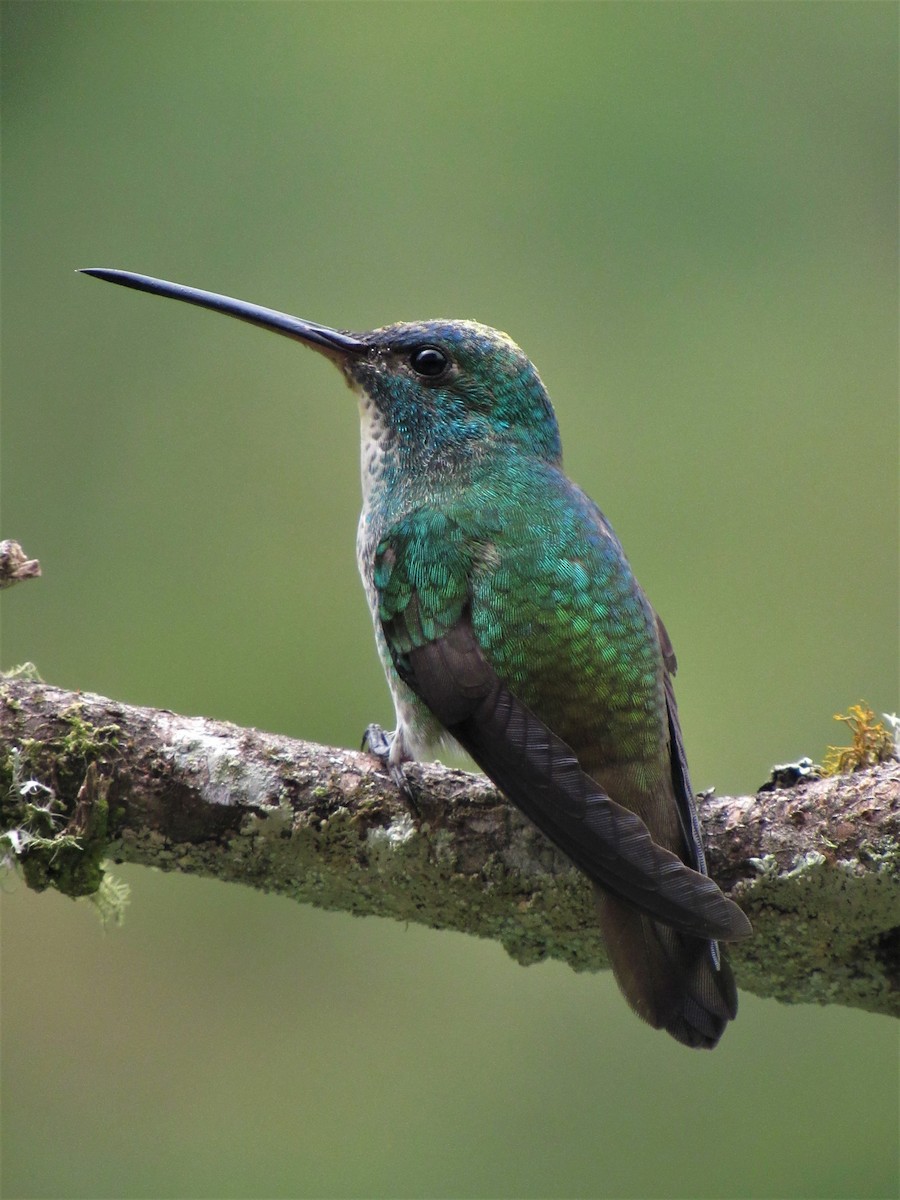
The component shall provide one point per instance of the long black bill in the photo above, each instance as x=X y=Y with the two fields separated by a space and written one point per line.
x=333 y=342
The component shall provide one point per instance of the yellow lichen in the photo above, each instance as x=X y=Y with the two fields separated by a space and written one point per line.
x=871 y=743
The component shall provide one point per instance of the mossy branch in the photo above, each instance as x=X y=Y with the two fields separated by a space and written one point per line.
x=816 y=866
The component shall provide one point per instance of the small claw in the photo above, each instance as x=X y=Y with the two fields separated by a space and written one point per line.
x=379 y=742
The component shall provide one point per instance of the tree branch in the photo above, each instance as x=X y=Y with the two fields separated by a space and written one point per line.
x=15 y=565
x=84 y=779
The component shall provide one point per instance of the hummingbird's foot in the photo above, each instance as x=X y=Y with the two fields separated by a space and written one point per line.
x=377 y=741
x=384 y=746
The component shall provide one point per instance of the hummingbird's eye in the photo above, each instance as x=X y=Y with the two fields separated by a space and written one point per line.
x=429 y=361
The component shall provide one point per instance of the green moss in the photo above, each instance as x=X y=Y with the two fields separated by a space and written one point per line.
x=71 y=860
x=25 y=672
x=84 y=740
x=55 y=807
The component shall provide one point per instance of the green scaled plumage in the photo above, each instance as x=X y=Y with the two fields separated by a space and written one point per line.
x=554 y=604
x=507 y=617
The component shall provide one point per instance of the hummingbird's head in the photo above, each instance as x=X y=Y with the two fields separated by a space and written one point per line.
x=453 y=384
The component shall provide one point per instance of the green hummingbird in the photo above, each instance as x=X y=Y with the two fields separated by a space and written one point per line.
x=508 y=619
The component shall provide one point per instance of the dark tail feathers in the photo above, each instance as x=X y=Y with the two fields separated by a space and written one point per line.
x=670 y=979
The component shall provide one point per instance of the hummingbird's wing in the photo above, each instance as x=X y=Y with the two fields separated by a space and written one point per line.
x=421 y=577
x=684 y=792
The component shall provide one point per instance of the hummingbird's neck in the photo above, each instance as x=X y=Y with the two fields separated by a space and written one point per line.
x=396 y=463
x=408 y=450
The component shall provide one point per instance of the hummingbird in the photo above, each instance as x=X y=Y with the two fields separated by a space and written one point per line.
x=508 y=621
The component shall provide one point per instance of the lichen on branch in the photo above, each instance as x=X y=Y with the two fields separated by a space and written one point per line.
x=816 y=866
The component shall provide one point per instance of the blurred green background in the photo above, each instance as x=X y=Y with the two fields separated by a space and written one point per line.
x=686 y=214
